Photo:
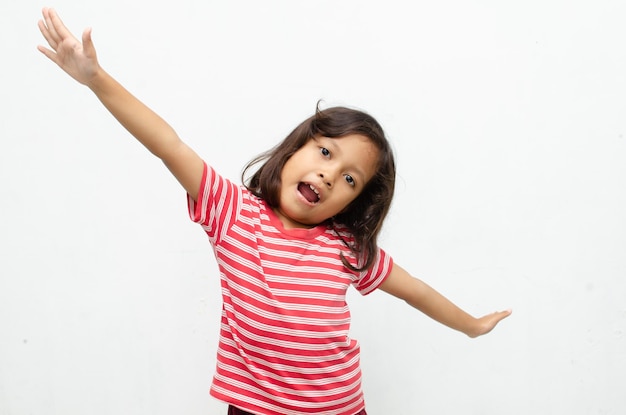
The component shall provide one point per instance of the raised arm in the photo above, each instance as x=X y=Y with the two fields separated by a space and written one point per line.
x=79 y=60
x=424 y=298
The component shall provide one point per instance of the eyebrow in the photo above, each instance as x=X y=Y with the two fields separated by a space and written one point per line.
x=335 y=148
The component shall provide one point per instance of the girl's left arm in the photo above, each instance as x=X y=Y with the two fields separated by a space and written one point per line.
x=427 y=300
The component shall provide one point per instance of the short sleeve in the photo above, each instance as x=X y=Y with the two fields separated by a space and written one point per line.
x=379 y=271
x=217 y=205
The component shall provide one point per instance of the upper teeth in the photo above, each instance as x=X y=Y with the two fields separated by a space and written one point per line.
x=314 y=189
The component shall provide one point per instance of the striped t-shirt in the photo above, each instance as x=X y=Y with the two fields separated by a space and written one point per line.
x=284 y=347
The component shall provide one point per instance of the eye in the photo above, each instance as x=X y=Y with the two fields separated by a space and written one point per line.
x=350 y=180
x=325 y=152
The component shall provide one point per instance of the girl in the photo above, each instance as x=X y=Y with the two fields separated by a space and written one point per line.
x=288 y=245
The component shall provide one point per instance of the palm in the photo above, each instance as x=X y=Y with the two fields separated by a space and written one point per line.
x=77 y=59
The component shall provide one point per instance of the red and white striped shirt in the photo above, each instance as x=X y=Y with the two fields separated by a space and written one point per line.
x=284 y=347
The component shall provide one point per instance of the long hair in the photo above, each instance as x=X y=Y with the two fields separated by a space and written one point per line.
x=364 y=216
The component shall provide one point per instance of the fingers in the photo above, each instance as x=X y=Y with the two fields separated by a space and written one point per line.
x=504 y=314
x=49 y=54
x=53 y=43
x=498 y=316
x=58 y=27
x=46 y=34
x=52 y=37
x=53 y=29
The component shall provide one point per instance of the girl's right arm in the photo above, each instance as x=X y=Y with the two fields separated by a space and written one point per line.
x=81 y=63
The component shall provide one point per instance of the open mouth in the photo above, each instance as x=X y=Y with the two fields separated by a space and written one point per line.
x=309 y=192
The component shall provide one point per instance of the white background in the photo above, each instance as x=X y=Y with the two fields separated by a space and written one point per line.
x=507 y=119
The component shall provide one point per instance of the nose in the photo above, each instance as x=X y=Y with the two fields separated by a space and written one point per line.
x=326 y=179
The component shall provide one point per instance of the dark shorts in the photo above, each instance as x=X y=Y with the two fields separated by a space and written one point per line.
x=236 y=411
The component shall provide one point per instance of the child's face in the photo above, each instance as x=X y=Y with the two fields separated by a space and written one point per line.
x=323 y=177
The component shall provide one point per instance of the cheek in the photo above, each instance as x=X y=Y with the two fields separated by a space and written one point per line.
x=346 y=200
x=286 y=170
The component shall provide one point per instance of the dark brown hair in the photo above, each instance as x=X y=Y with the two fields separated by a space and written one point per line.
x=365 y=215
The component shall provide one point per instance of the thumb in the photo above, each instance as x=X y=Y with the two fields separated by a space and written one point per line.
x=88 y=46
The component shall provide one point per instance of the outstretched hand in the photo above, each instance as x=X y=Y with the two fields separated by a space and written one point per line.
x=487 y=323
x=77 y=59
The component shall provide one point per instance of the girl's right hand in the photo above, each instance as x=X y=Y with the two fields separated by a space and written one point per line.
x=77 y=59
x=80 y=62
